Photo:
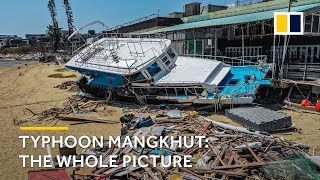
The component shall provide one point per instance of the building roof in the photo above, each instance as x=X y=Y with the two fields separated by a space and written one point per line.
x=233 y=19
x=248 y=9
x=147 y=24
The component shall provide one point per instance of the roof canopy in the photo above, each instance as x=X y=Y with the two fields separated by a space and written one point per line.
x=233 y=19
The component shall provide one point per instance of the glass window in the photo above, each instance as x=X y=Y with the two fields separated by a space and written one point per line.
x=315 y=24
x=166 y=60
x=199 y=47
x=171 y=53
x=137 y=76
x=233 y=82
x=153 y=69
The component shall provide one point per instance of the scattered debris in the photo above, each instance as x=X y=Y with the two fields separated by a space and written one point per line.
x=174 y=114
x=231 y=152
x=49 y=174
x=75 y=105
x=82 y=120
x=71 y=85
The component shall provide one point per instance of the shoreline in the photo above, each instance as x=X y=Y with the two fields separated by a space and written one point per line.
x=13 y=62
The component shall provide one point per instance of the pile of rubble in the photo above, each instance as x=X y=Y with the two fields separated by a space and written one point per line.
x=74 y=106
x=69 y=85
x=230 y=152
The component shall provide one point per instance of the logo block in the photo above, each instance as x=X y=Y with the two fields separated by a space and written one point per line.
x=288 y=23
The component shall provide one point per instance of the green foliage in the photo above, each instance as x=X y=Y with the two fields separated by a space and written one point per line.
x=61 y=70
x=60 y=75
x=23 y=49
x=69 y=16
x=54 y=31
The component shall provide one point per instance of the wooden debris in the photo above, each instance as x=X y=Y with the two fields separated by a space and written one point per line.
x=230 y=152
x=87 y=120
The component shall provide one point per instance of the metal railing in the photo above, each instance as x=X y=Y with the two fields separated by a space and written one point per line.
x=110 y=42
x=191 y=91
x=133 y=22
x=302 y=71
x=110 y=35
x=235 y=61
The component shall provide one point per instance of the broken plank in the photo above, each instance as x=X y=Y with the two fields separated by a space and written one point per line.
x=193 y=173
x=228 y=173
x=248 y=165
x=253 y=154
x=86 y=119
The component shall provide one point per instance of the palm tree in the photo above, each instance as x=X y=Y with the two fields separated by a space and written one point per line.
x=54 y=31
x=69 y=16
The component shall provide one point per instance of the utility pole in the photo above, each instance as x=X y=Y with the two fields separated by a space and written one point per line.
x=285 y=43
x=279 y=72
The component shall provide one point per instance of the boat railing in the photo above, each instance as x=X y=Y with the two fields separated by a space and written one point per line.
x=191 y=91
x=111 y=43
x=82 y=60
x=235 y=61
x=104 y=66
x=109 y=33
x=111 y=36
x=95 y=45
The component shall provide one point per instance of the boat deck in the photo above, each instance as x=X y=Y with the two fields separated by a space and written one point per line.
x=119 y=55
x=195 y=71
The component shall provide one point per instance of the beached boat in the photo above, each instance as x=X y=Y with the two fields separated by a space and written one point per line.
x=150 y=69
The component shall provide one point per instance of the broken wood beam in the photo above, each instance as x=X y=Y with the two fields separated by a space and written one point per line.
x=87 y=119
x=228 y=173
x=249 y=165
x=193 y=173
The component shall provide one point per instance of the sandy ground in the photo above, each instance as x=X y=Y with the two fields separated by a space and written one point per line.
x=30 y=87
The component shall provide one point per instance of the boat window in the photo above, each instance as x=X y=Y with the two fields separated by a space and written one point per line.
x=153 y=69
x=171 y=53
x=137 y=76
x=233 y=82
x=166 y=60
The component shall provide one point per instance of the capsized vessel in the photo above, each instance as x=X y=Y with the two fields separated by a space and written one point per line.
x=150 y=69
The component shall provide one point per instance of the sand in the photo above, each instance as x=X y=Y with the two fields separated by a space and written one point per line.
x=30 y=87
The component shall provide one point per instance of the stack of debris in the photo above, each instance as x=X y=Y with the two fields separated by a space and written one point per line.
x=70 y=85
x=231 y=152
x=74 y=106
x=259 y=118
